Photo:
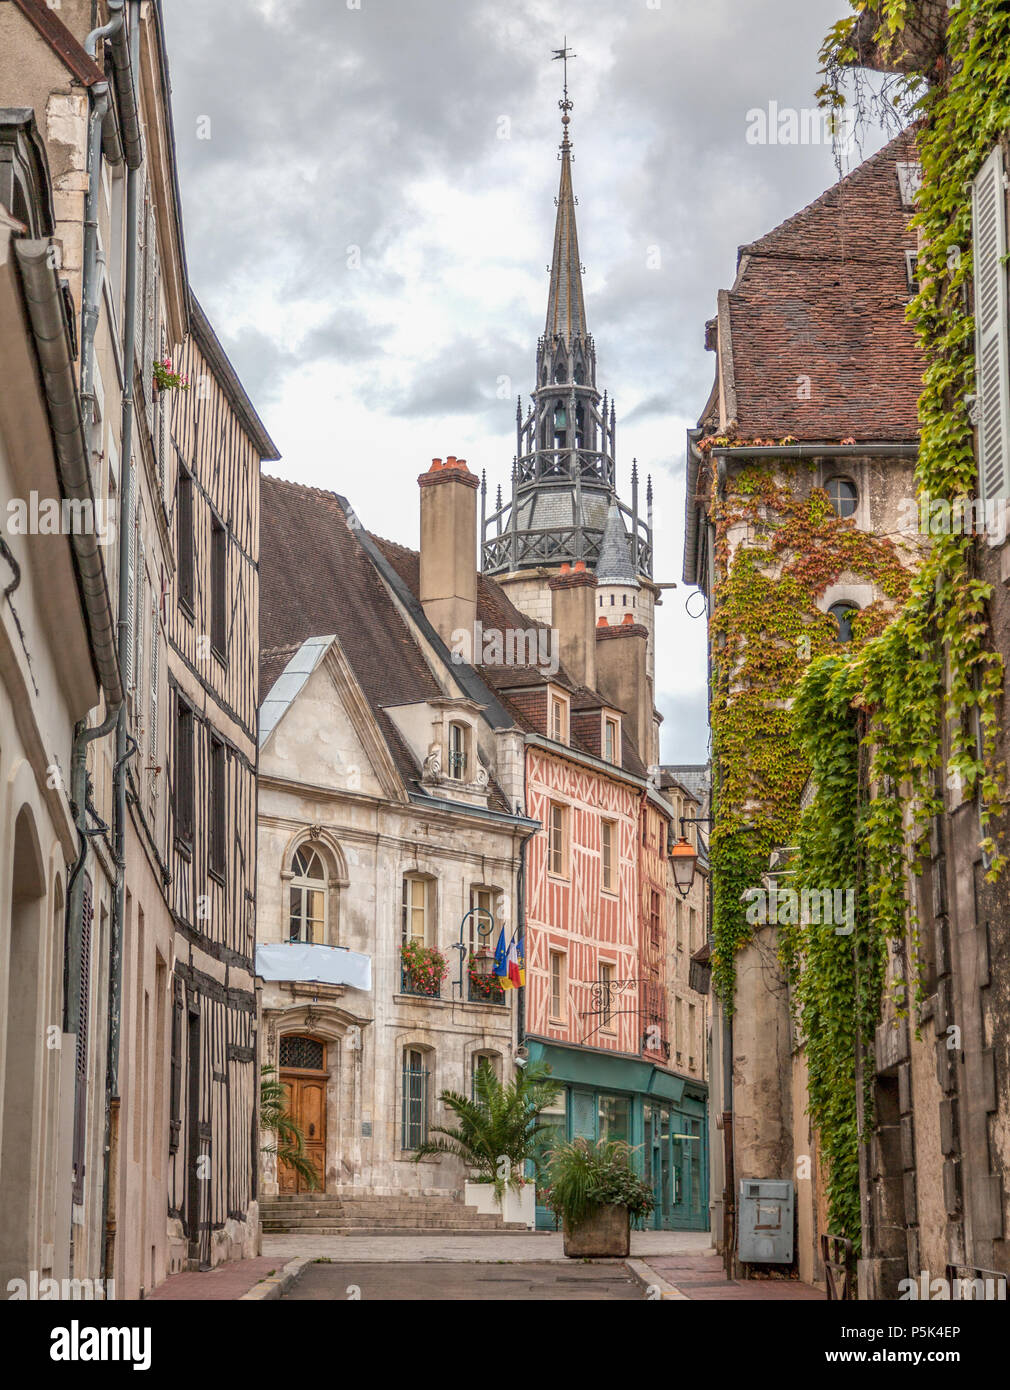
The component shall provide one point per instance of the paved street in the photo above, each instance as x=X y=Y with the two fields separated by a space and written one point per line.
x=455 y=1280
x=532 y=1248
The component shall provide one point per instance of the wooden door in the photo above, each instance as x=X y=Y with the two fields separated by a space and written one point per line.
x=307 y=1106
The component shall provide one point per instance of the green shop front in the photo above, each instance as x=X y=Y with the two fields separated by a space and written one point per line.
x=662 y=1117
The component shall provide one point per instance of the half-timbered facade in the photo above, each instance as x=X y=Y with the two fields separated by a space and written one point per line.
x=136 y=1090
x=212 y=476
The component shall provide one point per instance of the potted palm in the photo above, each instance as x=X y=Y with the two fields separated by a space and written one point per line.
x=595 y=1193
x=496 y=1135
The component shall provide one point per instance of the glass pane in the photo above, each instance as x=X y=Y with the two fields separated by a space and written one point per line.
x=615 y=1118
x=295 y=928
x=315 y=904
x=298 y=864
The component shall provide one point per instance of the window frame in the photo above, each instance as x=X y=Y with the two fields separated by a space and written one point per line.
x=608 y=881
x=218 y=589
x=557 y=853
x=410 y=1127
x=559 y=1016
x=428 y=883
x=303 y=884
x=185 y=542
x=842 y=478
x=217 y=820
x=606 y=973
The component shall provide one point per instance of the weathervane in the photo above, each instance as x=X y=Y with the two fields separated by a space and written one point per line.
x=565 y=104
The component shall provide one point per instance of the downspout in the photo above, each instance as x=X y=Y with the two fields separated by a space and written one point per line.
x=134 y=158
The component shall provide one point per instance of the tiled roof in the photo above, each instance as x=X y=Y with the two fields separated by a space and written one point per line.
x=819 y=308
x=316 y=579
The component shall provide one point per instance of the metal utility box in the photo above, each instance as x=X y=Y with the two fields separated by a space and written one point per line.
x=766 y=1222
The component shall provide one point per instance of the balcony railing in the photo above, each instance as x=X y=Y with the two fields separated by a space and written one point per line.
x=485 y=991
x=409 y=984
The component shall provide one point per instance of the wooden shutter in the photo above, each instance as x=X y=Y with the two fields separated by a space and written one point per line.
x=131 y=581
x=152 y=742
x=139 y=610
x=81 y=1059
x=991 y=328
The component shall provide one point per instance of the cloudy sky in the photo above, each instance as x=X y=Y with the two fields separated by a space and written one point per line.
x=368 y=190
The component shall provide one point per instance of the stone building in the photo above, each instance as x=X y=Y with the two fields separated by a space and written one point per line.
x=390 y=829
x=936 y=1188
x=57 y=661
x=799 y=534
x=100 y=101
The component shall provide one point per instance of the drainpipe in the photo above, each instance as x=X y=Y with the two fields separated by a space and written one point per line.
x=125 y=745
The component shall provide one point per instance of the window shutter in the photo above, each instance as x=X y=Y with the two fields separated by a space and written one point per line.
x=152 y=742
x=150 y=261
x=991 y=328
x=139 y=610
x=131 y=582
x=81 y=1056
x=141 y=306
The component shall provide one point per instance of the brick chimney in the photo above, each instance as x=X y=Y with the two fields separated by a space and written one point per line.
x=449 y=547
x=622 y=677
x=573 y=615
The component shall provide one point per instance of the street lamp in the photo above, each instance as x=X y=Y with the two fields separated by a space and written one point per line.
x=483 y=959
x=684 y=856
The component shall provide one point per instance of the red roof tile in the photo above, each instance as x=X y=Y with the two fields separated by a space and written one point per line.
x=823 y=298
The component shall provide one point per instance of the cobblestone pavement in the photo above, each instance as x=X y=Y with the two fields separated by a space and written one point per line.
x=525 y=1247
x=457 y=1281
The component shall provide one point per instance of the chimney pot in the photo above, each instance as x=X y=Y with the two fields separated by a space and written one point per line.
x=450 y=461
x=580 y=566
x=602 y=622
x=435 y=465
x=628 y=619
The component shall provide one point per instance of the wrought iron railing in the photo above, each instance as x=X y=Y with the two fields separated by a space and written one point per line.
x=485 y=991
x=409 y=984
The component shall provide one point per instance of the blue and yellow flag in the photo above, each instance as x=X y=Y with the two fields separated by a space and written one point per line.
x=501 y=956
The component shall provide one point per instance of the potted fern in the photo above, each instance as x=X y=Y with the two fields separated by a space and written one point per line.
x=595 y=1193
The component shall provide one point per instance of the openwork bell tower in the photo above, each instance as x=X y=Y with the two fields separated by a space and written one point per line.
x=563 y=475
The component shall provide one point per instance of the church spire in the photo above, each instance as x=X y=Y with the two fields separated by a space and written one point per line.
x=566 y=309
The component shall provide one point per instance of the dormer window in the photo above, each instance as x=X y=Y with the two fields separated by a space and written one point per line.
x=559 y=719
x=457 y=752
x=611 y=739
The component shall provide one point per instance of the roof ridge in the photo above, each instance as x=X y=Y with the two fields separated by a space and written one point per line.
x=820 y=203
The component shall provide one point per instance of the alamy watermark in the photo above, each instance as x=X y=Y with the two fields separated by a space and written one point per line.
x=806 y=907
x=810 y=125
x=61 y=516
x=965 y=516
x=515 y=646
x=42 y=1289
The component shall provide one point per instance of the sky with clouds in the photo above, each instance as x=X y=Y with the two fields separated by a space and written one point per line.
x=368 y=191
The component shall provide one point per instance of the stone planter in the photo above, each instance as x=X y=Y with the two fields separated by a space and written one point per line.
x=516 y=1207
x=606 y=1233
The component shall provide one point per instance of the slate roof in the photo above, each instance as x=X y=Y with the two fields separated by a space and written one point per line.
x=315 y=579
x=496 y=610
x=615 y=564
x=823 y=297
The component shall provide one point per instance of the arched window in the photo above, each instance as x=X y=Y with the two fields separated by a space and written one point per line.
x=308 y=897
x=843 y=613
x=843 y=495
x=560 y=425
